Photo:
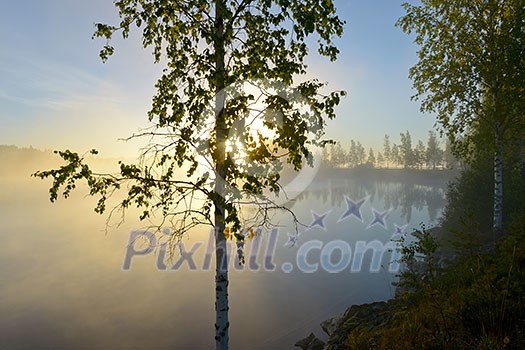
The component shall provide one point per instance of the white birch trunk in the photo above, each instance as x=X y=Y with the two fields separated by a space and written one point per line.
x=498 y=185
x=497 y=223
x=221 y=269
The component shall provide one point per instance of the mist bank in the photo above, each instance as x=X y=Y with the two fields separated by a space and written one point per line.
x=19 y=161
x=415 y=176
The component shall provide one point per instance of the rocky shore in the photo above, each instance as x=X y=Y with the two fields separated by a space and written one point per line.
x=372 y=315
x=338 y=327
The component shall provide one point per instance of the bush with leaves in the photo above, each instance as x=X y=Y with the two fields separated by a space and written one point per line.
x=479 y=303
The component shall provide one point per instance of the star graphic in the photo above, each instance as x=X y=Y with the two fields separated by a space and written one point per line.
x=379 y=218
x=353 y=208
x=400 y=230
x=292 y=240
x=318 y=220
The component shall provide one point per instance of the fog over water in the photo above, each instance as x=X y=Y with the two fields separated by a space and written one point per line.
x=62 y=285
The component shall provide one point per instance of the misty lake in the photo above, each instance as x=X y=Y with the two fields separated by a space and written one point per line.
x=62 y=285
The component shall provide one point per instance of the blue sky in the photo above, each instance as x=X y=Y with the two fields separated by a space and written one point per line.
x=55 y=92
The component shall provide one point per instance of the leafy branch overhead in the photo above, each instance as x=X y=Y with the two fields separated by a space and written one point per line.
x=468 y=51
x=262 y=41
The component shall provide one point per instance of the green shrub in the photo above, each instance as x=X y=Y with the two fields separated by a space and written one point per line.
x=476 y=304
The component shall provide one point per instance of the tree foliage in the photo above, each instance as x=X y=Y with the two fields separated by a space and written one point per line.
x=406 y=152
x=471 y=74
x=263 y=41
x=387 y=149
x=203 y=113
x=468 y=50
x=433 y=153
x=401 y=154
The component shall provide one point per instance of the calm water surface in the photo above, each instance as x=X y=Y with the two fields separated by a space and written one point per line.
x=62 y=284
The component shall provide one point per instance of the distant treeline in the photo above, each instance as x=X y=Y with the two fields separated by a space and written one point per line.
x=30 y=151
x=432 y=155
x=13 y=155
x=20 y=162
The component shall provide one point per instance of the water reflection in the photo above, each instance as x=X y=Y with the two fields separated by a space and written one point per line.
x=403 y=196
x=62 y=287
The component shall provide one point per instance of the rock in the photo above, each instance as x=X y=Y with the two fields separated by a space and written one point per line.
x=365 y=315
x=310 y=343
x=339 y=327
x=330 y=326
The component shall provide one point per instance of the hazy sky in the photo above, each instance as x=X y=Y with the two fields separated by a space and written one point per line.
x=56 y=93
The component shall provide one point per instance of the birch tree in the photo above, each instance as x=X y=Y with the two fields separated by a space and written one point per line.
x=471 y=68
x=210 y=49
